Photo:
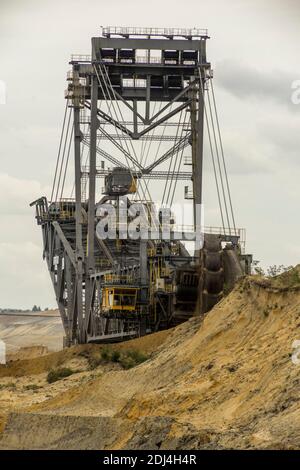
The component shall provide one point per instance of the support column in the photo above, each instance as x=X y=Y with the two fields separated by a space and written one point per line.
x=148 y=89
x=78 y=310
x=135 y=118
x=90 y=261
x=197 y=122
x=143 y=270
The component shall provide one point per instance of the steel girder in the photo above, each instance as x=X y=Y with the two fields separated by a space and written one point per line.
x=72 y=264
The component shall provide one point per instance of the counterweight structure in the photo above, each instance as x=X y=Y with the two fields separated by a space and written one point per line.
x=138 y=105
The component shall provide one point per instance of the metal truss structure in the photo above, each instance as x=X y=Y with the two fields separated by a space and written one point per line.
x=137 y=84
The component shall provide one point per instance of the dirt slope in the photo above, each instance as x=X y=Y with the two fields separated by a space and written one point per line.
x=29 y=329
x=225 y=382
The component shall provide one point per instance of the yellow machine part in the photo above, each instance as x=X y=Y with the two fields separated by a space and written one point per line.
x=119 y=298
x=67 y=210
x=133 y=186
x=118 y=278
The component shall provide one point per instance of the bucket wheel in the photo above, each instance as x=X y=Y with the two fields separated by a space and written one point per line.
x=211 y=281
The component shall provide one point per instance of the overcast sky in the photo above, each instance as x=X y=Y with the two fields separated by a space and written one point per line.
x=254 y=51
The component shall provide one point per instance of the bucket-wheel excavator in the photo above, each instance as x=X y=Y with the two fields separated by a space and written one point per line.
x=123 y=231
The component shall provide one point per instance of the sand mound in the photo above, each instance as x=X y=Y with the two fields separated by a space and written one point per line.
x=227 y=381
x=28 y=352
x=27 y=329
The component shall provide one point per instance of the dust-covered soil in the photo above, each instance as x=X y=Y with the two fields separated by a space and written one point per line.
x=225 y=381
x=31 y=330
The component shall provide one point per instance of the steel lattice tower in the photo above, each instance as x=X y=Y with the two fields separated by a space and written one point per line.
x=111 y=290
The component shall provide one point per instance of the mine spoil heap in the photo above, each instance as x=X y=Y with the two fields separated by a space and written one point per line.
x=225 y=381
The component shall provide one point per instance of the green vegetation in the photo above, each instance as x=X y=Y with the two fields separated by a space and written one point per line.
x=10 y=385
x=115 y=356
x=57 y=374
x=94 y=361
x=32 y=387
x=35 y=308
x=106 y=354
x=131 y=358
x=127 y=358
x=280 y=276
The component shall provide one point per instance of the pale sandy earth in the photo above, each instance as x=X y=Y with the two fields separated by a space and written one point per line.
x=225 y=382
x=29 y=329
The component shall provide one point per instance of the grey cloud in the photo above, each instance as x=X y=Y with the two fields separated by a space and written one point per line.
x=244 y=81
x=282 y=133
x=243 y=156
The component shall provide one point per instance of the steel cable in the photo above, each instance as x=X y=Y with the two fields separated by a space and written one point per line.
x=67 y=162
x=59 y=150
x=63 y=155
x=211 y=150
x=121 y=115
x=169 y=179
x=218 y=161
x=223 y=158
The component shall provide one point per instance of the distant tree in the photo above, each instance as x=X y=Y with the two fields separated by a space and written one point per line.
x=259 y=270
x=35 y=308
x=275 y=270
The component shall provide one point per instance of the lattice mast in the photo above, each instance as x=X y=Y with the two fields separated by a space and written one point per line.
x=174 y=76
x=138 y=104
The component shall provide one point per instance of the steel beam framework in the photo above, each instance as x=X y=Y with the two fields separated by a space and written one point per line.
x=115 y=76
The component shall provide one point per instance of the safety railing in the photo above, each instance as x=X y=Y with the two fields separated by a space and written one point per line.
x=188 y=193
x=230 y=231
x=102 y=263
x=134 y=60
x=118 y=279
x=167 y=32
x=134 y=83
x=148 y=60
x=183 y=228
x=81 y=58
x=239 y=232
x=188 y=160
